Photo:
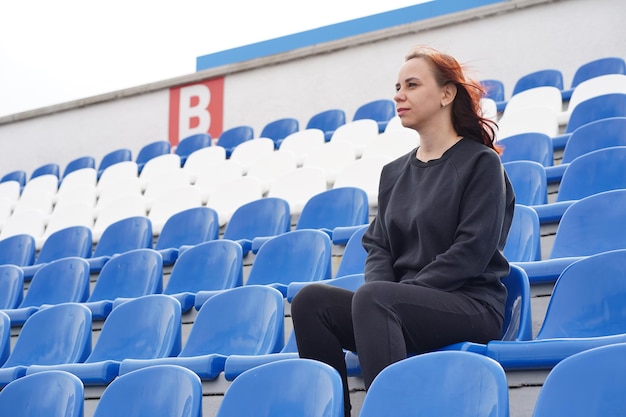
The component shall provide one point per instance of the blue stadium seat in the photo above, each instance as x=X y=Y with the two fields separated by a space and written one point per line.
x=79 y=163
x=591 y=173
x=5 y=338
x=541 y=78
x=233 y=137
x=17 y=250
x=586 y=310
x=528 y=179
x=166 y=391
x=586 y=383
x=58 y=334
x=190 y=144
x=150 y=151
x=247 y=320
x=143 y=328
x=531 y=146
x=474 y=386
x=293 y=387
x=494 y=90
x=327 y=121
x=379 y=110
x=595 y=68
x=47 y=169
x=279 y=129
x=603 y=133
x=268 y=216
x=128 y=275
x=298 y=255
x=113 y=157
x=65 y=280
x=18 y=175
x=210 y=266
x=591 y=225
x=186 y=228
x=354 y=254
x=71 y=241
x=50 y=394
x=11 y=286
x=523 y=243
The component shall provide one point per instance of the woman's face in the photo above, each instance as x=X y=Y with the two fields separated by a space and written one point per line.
x=418 y=96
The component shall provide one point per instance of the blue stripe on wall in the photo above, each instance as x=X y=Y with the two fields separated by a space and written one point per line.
x=339 y=31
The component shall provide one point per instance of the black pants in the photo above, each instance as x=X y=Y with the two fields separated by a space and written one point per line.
x=382 y=322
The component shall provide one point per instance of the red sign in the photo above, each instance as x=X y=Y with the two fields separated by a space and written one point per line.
x=196 y=108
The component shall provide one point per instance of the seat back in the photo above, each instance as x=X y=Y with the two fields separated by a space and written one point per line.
x=475 y=385
x=212 y=265
x=79 y=163
x=70 y=241
x=379 y=110
x=188 y=227
x=327 y=121
x=588 y=298
x=529 y=182
x=291 y=387
x=603 y=133
x=592 y=173
x=124 y=235
x=598 y=67
x=246 y=320
x=547 y=95
x=50 y=394
x=152 y=150
x=18 y=175
x=268 y=216
x=5 y=337
x=597 y=108
x=11 y=286
x=354 y=255
x=541 y=78
x=47 y=169
x=113 y=157
x=594 y=87
x=233 y=137
x=64 y=280
x=279 y=129
x=190 y=144
x=523 y=243
x=177 y=200
x=363 y=173
x=531 y=146
x=298 y=187
x=17 y=250
x=592 y=225
x=344 y=206
x=161 y=390
x=298 y=255
x=517 y=318
x=146 y=327
x=587 y=383
x=54 y=335
x=494 y=89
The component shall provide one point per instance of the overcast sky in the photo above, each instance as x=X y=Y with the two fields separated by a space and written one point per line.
x=53 y=51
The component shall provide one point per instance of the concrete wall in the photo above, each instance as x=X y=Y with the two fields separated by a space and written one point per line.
x=503 y=41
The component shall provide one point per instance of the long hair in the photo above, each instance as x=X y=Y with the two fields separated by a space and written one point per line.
x=467 y=115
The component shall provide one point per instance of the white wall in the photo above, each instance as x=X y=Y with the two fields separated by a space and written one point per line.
x=561 y=34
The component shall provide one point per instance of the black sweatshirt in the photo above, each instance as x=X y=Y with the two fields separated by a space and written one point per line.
x=443 y=223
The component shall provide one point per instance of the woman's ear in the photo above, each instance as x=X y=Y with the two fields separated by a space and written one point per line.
x=449 y=93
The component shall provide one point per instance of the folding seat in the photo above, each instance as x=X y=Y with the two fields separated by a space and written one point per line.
x=112 y=158
x=158 y=167
x=595 y=68
x=363 y=173
x=273 y=166
x=392 y=144
x=298 y=255
x=39 y=193
x=251 y=150
x=143 y=328
x=119 y=237
x=233 y=137
x=10 y=190
x=541 y=119
x=64 y=280
x=279 y=129
x=165 y=205
x=586 y=310
x=475 y=385
x=17 y=250
x=6 y=208
x=489 y=109
x=51 y=394
x=523 y=243
x=298 y=187
x=229 y=196
x=268 y=216
x=150 y=151
x=198 y=160
x=251 y=323
x=494 y=89
x=603 y=133
x=394 y=123
x=73 y=241
x=379 y=110
x=212 y=176
x=594 y=87
x=294 y=387
x=589 y=174
x=79 y=177
x=208 y=266
x=359 y=133
x=186 y=228
x=118 y=173
x=5 y=337
x=123 y=207
x=11 y=287
x=79 y=185
x=116 y=189
x=327 y=121
x=332 y=157
x=188 y=145
x=79 y=163
x=531 y=146
x=167 y=391
x=18 y=175
x=586 y=383
x=67 y=215
x=128 y=275
x=545 y=77
x=354 y=255
x=528 y=180
x=590 y=226
x=541 y=96
x=54 y=335
x=46 y=169
x=28 y=221
x=302 y=142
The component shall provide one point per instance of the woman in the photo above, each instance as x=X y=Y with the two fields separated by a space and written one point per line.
x=435 y=249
